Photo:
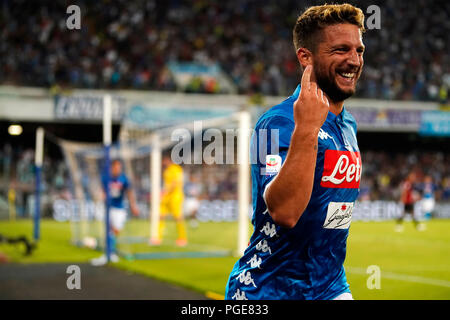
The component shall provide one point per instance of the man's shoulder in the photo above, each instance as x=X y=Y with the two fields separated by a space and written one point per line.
x=350 y=119
x=280 y=113
x=175 y=168
x=123 y=178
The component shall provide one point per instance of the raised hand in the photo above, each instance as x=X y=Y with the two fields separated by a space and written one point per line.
x=311 y=107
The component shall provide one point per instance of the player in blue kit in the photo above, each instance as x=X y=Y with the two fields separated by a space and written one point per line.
x=303 y=209
x=119 y=186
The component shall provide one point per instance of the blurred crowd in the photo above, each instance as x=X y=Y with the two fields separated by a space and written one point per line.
x=17 y=179
x=382 y=176
x=127 y=44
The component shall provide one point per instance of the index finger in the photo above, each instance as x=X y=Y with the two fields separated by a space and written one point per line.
x=306 y=78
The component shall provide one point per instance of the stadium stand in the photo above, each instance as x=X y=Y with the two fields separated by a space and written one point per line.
x=129 y=45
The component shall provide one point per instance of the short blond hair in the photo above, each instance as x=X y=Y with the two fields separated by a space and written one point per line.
x=315 y=19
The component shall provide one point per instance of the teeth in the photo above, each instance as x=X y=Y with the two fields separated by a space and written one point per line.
x=347 y=74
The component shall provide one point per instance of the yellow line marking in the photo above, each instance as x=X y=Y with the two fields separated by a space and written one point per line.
x=214 y=296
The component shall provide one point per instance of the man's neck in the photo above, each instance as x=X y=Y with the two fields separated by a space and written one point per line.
x=336 y=107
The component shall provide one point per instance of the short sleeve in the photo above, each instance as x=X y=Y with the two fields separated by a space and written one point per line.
x=126 y=183
x=271 y=137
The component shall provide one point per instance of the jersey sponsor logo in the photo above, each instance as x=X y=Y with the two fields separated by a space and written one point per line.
x=115 y=189
x=263 y=246
x=255 y=261
x=245 y=277
x=339 y=215
x=239 y=295
x=273 y=164
x=341 y=169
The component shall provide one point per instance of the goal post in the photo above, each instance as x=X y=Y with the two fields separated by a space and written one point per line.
x=155 y=176
x=107 y=140
x=162 y=139
x=222 y=213
x=244 y=179
x=39 y=157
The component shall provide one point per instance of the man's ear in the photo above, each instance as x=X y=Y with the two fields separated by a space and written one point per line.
x=304 y=57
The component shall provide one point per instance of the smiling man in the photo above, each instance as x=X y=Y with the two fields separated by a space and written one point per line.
x=302 y=212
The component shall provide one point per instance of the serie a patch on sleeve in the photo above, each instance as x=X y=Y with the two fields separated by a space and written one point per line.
x=273 y=164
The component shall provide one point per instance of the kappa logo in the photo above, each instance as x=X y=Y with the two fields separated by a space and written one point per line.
x=239 y=295
x=263 y=246
x=245 y=277
x=323 y=135
x=341 y=169
x=339 y=215
x=269 y=229
x=255 y=261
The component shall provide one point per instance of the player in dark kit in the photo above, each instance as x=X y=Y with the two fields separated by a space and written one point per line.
x=409 y=198
x=302 y=211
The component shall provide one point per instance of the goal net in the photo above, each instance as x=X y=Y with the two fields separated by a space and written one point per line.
x=211 y=147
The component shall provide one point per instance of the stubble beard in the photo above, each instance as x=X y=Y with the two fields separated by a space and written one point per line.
x=330 y=87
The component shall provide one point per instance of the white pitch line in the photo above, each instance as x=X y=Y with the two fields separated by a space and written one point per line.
x=403 y=277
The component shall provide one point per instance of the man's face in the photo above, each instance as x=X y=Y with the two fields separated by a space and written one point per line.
x=166 y=162
x=116 y=168
x=338 y=60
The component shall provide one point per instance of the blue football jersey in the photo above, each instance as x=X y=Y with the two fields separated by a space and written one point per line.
x=305 y=262
x=117 y=187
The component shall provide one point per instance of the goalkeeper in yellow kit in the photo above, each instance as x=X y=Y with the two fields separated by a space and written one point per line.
x=172 y=200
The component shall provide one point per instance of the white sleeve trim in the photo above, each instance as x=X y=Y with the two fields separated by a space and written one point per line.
x=265 y=190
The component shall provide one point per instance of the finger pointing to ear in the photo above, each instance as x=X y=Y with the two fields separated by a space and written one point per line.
x=306 y=78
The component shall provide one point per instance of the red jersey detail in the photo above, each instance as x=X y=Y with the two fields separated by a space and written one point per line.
x=408 y=193
x=341 y=169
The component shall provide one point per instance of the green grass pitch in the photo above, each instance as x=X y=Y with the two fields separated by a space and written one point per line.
x=414 y=265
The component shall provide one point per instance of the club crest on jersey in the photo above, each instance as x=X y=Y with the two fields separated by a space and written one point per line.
x=341 y=169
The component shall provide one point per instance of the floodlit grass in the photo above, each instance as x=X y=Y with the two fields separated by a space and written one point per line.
x=54 y=246
x=414 y=265
x=201 y=238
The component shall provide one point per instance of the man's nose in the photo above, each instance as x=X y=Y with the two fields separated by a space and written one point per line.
x=353 y=59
